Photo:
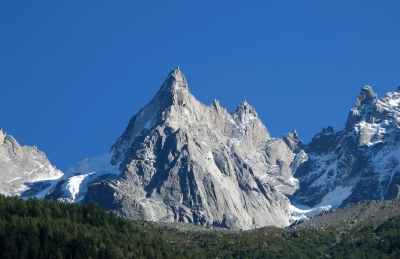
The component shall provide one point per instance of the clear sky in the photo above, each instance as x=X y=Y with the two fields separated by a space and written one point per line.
x=72 y=73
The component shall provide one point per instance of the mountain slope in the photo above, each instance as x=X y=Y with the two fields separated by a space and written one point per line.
x=354 y=216
x=24 y=170
x=180 y=160
x=357 y=163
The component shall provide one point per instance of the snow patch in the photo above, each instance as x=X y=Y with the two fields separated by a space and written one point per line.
x=331 y=201
x=79 y=177
x=335 y=197
x=394 y=102
x=100 y=164
x=300 y=213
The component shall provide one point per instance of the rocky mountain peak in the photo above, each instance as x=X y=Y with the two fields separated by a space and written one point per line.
x=245 y=108
x=364 y=107
x=9 y=142
x=174 y=90
x=180 y=160
x=173 y=94
x=358 y=162
x=292 y=140
x=327 y=130
x=175 y=81
x=244 y=113
x=366 y=96
x=218 y=107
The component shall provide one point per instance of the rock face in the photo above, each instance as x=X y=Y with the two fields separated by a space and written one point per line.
x=361 y=162
x=24 y=171
x=182 y=161
x=292 y=140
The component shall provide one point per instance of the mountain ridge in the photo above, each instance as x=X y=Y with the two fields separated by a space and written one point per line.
x=359 y=162
x=179 y=160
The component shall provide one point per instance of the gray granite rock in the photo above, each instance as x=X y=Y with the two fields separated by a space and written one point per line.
x=24 y=170
x=183 y=161
x=292 y=140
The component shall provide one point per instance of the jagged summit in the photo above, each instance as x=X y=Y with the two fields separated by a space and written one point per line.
x=357 y=163
x=250 y=130
x=292 y=140
x=244 y=113
x=366 y=95
x=371 y=109
x=246 y=109
x=174 y=92
x=363 y=109
x=181 y=160
x=175 y=80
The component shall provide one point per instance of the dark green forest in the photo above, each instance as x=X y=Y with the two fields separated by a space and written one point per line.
x=49 y=229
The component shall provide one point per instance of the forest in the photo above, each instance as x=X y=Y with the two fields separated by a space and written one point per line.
x=35 y=228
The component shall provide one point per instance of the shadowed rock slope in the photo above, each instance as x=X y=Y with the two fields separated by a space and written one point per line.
x=360 y=162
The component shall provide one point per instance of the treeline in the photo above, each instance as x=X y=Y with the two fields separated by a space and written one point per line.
x=376 y=240
x=48 y=229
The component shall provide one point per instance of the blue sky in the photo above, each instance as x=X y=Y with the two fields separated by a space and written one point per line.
x=72 y=73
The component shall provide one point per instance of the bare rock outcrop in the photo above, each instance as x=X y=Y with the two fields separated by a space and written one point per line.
x=24 y=170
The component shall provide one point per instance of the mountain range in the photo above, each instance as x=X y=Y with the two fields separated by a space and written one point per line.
x=179 y=160
x=360 y=162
